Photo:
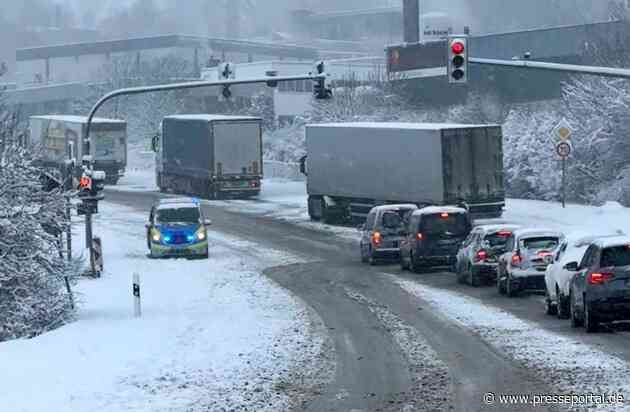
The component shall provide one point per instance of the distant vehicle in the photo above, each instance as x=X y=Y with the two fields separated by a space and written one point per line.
x=177 y=228
x=558 y=279
x=522 y=267
x=210 y=156
x=434 y=236
x=61 y=138
x=600 y=290
x=352 y=167
x=477 y=259
x=383 y=231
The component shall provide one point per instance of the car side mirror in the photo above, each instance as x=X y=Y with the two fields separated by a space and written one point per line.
x=571 y=266
x=207 y=222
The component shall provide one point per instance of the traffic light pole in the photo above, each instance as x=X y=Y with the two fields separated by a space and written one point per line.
x=271 y=81
x=569 y=68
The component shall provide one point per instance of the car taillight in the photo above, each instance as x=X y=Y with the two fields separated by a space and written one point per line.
x=544 y=254
x=516 y=258
x=595 y=278
x=444 y=215
x=481 y=255
x=376 y=238
x=419 y=236
x=253 y=184
x=504 y=233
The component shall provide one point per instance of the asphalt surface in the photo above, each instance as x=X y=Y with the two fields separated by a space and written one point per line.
x=374 y=372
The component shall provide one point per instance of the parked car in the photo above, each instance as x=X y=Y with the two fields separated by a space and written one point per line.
x=522 y=267
x=558 y=278
x=177 y=228
x=477 y=258
x=434 y=235
x=600 y=290
x=383 y=231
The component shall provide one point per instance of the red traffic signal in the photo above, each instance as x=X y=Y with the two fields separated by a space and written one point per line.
x=458 y=47
x=85 y=182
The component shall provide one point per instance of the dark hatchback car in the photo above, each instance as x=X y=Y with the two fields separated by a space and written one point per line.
x=477 y=259
x=384 y=229
x=600 y=290
x=434 y=235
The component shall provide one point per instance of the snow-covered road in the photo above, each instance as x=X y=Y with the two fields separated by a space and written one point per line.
x=214 y=334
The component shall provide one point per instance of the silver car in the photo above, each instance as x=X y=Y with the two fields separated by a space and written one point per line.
x=522 y=267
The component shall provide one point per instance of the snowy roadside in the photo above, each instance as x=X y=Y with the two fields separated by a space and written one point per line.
x=214 y=335
x=567 y=365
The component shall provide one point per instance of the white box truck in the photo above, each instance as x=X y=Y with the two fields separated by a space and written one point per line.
x=352 y=167
x=61 y=137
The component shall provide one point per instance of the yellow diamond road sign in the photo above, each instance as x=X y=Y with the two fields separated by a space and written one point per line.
x=562 y=131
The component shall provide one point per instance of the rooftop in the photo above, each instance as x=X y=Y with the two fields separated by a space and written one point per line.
x=401 y=125
x=78 y=119
x=210 y=117
x=164 y=41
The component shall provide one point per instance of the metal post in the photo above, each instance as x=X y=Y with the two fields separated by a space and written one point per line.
x=69 y=230
x=88 y=240
x=137 y=309
x=564 y=182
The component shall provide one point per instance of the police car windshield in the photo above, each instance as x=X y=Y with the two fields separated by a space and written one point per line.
x=178 y=215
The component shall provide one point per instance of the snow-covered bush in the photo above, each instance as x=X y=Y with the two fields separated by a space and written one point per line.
x=33 y=298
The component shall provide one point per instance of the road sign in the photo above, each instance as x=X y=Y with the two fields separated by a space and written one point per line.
x=562 y=131
x=563 y=149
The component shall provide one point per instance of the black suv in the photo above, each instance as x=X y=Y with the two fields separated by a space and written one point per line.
x=434 y=236
x=600 y=290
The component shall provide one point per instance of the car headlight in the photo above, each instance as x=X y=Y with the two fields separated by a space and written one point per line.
x=201 y=234
x=156 y=236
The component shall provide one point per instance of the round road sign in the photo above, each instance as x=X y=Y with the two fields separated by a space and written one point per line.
x=563 y=149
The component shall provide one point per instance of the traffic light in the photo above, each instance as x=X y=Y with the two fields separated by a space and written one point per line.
x=320 y=89
x=85 y=185
x=98 y=182
x=457 y=59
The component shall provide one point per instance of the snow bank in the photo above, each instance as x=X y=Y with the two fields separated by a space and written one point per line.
x=564 y=363
x=214 y=334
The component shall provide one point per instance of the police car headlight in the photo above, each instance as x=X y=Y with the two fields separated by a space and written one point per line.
x=201 y=234
x=156 y=235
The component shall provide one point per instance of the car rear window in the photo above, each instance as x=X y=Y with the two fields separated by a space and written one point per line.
x=615 y=256
x=497 y=240
x=456 y=224
x=396 y=218
x=178 y=215
x=537 y=243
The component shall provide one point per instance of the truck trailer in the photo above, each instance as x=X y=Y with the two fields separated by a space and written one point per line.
x=210 y=156
x=352 y=167
x=61 y=138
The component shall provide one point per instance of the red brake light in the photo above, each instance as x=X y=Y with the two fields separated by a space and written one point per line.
x=516 y=258
x=544 y=254
x=595 y=278
x=481 y=255
x=444 y=215
x=457 y=47
x=504 y=233
x=253 y=184
x=376 y=238
x=419 y=236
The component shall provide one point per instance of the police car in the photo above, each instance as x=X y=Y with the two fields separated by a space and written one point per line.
x=177 y=228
